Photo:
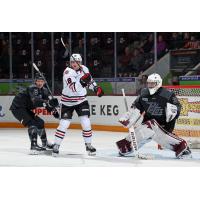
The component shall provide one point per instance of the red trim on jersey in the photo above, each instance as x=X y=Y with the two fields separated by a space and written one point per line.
x=71 y=98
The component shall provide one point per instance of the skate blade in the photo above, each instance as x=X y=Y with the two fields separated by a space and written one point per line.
x=127 y=154
x=145 y=156
x=185 y=157
x=55 y=155
x=35 y=152
x=91 y=153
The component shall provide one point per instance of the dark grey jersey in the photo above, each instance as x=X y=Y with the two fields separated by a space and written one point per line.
x=155 y=105
x=30 y=98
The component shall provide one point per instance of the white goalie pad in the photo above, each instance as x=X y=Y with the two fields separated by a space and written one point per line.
x=166 y=139
x=151 y=130
x=143 y=135
x=171 y=112
x=131 y=118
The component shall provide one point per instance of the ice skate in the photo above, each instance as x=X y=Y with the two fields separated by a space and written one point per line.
x=47 y=145
x=55 y=152
x=36 y=149
x=90 y=149
x=187 y=154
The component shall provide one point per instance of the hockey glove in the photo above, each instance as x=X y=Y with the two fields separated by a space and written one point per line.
x=99 y=91
x=55 y=114
x=132 y=118
x=171 y=112
x=53 y=102
x=85 y=79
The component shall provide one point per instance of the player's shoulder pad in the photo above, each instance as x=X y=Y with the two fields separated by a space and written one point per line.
x=166 y=93
x=69 y=72
x=32 y=86
x=85 y=69
x=144 y=92
x=46 y=91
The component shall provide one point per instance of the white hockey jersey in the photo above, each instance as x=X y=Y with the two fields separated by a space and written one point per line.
x=73 y=92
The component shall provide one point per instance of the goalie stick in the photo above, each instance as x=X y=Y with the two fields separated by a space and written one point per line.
x=132 y=135
x=131 y=129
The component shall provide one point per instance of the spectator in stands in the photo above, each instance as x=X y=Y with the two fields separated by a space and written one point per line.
x=148 y=44
x=124 y=61
x=192 y=44
x=186 y=37
x=137 y=61
x=175 y=41
x=126 y=57
x=80 y=48
x=142 y=80
x=161 y=47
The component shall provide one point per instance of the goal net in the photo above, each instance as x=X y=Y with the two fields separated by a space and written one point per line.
x=188 y=124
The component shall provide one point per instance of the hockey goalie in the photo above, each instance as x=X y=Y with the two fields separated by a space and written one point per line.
x=153 y=116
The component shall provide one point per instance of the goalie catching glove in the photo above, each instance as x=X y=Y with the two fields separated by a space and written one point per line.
x=131 y=118
x=171 y=112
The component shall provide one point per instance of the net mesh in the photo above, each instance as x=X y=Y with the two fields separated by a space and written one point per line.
x=188 y=123
x=185 y=90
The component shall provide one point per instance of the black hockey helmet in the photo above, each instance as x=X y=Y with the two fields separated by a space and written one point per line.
x=38 y=76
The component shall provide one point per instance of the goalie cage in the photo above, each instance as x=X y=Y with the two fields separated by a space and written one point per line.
x=188 y=123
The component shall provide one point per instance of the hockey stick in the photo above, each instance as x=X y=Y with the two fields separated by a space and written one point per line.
x=92 y=82
x=71 y=55
x=132 y=135
x=131 y=129
x=36 y=68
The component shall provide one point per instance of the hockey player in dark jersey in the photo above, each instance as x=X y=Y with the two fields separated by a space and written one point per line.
x=34 y=96
x=157 y=108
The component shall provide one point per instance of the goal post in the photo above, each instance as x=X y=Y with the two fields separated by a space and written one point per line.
x=188 y=123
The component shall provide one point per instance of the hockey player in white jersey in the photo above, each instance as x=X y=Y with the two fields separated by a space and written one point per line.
x=157 y=110
x=76 y=79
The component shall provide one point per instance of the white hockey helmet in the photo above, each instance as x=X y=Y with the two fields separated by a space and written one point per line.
x=76 y=57
x=154 y=82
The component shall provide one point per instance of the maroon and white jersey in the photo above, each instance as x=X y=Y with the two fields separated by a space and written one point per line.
x=73 y=92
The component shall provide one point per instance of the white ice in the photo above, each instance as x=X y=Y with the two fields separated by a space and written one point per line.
x=14 y=151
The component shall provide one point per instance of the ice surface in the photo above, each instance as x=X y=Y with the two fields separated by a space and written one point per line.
x=14 y=151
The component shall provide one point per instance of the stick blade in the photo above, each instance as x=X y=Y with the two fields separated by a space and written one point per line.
x=35 y=66
x=61 y=39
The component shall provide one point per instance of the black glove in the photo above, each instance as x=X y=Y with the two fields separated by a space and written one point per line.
x=85 y=79
x=99 y=91
x=53 y=102
x=55 y=114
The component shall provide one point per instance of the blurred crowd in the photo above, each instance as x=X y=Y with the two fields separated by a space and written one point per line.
x=135 y=52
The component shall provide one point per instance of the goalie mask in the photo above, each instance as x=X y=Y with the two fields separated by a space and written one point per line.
x=154 y=82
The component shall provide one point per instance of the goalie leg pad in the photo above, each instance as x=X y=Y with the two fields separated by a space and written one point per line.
x=142 y=134
x=124 y=147
x=166 y=139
